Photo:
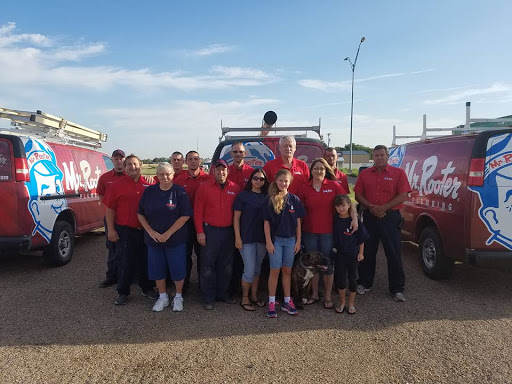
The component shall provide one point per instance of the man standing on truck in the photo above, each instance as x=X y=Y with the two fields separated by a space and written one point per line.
x=104 y=184
x=381 y=190
x=331 y=156
x=191 y=179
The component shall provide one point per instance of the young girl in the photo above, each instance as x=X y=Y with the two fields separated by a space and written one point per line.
x=282 y=235
x=347 y=252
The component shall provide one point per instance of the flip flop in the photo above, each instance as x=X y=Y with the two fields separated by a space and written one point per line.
x=312 y=301
x=339 y=309
x=258 y=303
x=351 y=310
x=328 y=304
x=248 y=307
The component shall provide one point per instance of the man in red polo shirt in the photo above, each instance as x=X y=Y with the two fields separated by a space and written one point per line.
x=381 y=190
x=213 y=219
x=239 y=172
x=191 y=179
x=104 y=183
x=177 y=161
x=331 y=156
x=125 y=229
x=298 y=168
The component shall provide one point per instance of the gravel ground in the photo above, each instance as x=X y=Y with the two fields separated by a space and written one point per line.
x=56 y=326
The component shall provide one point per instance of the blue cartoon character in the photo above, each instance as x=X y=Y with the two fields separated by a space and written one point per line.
x=44 y=188
x=396 y=156
x=496 y=193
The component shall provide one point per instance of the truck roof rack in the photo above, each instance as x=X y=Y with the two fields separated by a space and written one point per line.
x=48 y=126
x=472 y=125
x=261 y=130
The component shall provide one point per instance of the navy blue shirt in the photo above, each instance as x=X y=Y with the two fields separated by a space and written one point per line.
x=161 y=209
x=345 y=241
x=251 y=220
x=284 y=224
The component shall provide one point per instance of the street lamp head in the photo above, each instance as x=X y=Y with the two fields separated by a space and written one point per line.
x=363 y=39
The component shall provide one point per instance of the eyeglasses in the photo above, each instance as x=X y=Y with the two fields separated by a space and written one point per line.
x=256 y=178
x=322 y=169
x=238 y=151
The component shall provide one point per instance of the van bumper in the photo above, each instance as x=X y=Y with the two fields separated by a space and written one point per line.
x=484 y=256
x=21 y=243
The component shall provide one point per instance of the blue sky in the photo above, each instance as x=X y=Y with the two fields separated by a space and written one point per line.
x=159 y=76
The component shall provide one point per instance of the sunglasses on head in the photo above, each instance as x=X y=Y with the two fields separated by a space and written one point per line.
x=256 y=178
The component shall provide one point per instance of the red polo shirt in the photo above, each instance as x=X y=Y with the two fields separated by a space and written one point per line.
x=190 y=183
x=106 y=180
x=342 y=179
x=213 y=204
x=319 y=205
x=381 y=187
x=240 y=176
x=299 y=170
x=123 y=197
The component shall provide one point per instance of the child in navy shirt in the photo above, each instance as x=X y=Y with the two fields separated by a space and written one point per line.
x=282 y=228
x=347 y=252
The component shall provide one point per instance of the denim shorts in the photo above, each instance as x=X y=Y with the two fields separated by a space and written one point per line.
x=252 y=254
x=284 y=253
x=321 y=242
x=161 y=258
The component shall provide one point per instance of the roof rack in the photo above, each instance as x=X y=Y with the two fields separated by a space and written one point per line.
x=48 y=126
x=261 y=130
x=472 y=125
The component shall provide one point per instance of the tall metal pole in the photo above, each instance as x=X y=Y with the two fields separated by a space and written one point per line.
x=353 y=67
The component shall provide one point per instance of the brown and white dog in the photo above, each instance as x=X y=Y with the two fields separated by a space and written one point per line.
x=304 y=268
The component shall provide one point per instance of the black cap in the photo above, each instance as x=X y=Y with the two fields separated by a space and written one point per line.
x=118 y=152
x=270 y=118
x=216 y=163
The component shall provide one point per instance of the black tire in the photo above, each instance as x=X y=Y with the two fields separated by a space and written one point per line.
x=434 y=262
x=60 y=249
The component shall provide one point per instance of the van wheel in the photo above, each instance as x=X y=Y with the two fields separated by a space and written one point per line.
x=60 y=249
x=434 y=262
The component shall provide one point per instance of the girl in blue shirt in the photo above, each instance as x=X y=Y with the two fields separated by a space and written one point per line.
x=282 y=227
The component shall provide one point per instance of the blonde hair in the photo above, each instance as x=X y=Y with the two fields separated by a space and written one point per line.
x=276 y=196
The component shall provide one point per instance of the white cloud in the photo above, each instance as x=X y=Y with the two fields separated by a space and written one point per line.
x=462 y=96
x=77 y=53
x=8 y=37
x=212 y=50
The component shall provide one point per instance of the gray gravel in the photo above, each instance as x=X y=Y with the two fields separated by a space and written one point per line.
x=57 y=326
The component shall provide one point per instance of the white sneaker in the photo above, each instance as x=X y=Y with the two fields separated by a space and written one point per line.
x=177 y=304
x=160 y=304
x=361 y=289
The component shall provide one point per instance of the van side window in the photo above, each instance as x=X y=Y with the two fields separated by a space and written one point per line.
x=108 y=163
x=5 y=162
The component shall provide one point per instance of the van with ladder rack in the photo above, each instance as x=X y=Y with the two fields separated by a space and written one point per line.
x=49 y=171
x=460 y=207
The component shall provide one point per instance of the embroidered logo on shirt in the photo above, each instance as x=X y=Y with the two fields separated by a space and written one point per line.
x=297 y=172
x=388 y=178
x=230 y=193
x=170 y=204
x=327 y=190
x=347 y=232
x=291 y=210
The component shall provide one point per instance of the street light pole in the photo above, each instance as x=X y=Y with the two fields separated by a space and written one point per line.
x=353 y=67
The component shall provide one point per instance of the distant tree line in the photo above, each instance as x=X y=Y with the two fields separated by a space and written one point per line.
x=355 y=147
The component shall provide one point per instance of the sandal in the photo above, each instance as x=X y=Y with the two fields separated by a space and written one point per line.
x=340 y=309
x=258 y=303
x=351 y=310
x=311 y=301
x=247 y=307
x=328 y=304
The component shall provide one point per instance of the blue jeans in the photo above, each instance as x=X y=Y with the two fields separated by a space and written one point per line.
x=284 y=252
x=252 y=255
x=321 y=242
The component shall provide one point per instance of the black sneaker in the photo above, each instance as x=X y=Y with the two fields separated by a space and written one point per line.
x=151 y=293
x=107 y=283
x=121 y=300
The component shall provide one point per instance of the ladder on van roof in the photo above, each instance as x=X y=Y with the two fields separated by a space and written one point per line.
x=261 y=130
x=49 y=126
x=472 y=125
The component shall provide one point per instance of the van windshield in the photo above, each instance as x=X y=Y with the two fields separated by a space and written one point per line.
x=5 y=162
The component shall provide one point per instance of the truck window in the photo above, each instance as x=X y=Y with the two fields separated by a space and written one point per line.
x=5 y=162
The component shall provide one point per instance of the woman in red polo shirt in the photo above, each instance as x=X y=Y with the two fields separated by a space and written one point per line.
x=318 y=199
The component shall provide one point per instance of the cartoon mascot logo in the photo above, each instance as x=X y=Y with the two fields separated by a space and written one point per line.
x=396 y=156
x=44 y=188
x=496 y=193
x=256 y=154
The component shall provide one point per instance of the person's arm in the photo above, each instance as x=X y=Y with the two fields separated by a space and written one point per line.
x=367 y=205
x=151 y=232
x=110 y=215
x=298 y=236
x=236 y=227
x=268 y=237
x=354 y=225
x=174 y=228
x=360 y=255
x=198 y=216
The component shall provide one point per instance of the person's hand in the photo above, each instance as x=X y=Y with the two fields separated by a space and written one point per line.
x=201 y=239
x=270 y=248
x=378 y=211
x=154 y=235
x=149 y=179
x=360 y=257
x=238 y=244
x=164 y=237
x=296 y=249
x=354 y=225
x=113 y=236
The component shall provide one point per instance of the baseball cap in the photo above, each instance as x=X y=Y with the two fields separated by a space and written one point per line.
x=216 y=163
x=118 y=152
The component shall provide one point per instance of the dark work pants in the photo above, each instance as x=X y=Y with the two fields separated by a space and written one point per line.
x=345 y=265
x=133 y=259
x=235 y=286
x=192 y=245
x=388 y=231
x=217 y=262
x=112 y=264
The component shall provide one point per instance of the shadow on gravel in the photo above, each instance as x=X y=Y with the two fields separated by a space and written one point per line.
x=45 y=306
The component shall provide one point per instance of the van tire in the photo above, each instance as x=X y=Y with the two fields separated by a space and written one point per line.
x=60 y=249
x=434 y=262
